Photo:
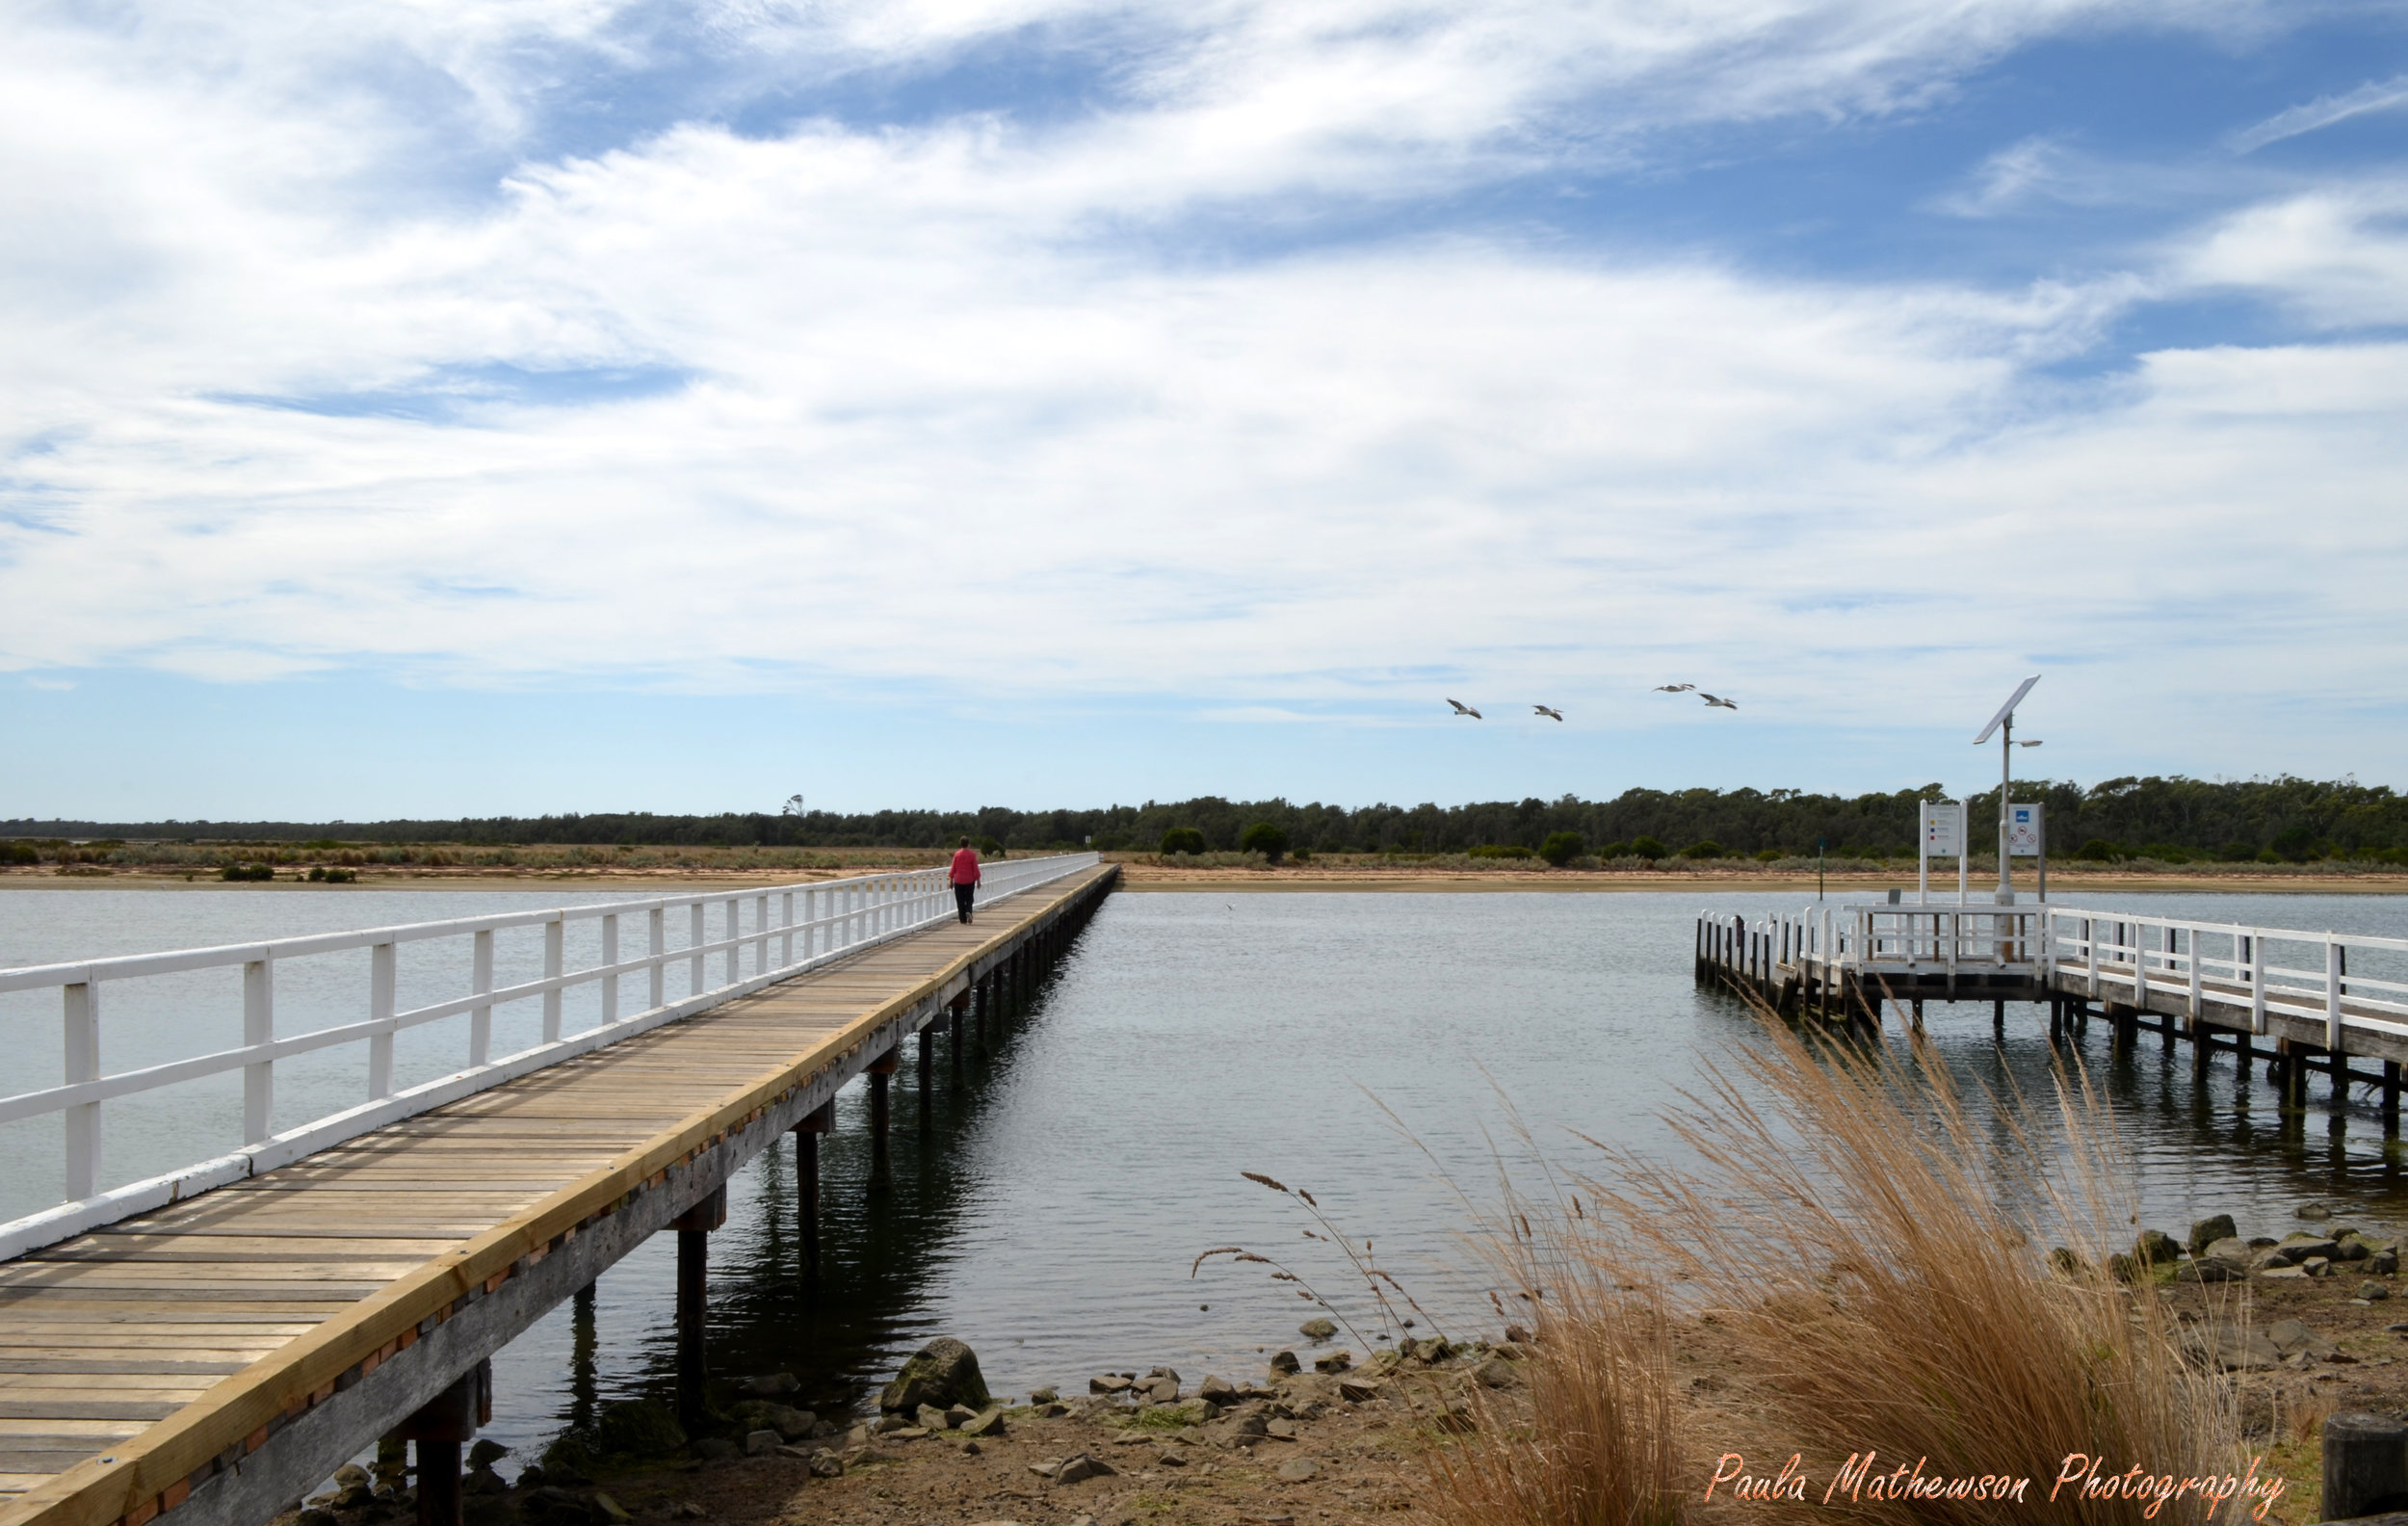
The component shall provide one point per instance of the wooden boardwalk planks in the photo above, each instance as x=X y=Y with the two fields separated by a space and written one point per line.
x=207 y=1313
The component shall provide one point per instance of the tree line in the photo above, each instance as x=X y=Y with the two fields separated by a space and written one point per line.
x=2285 y=817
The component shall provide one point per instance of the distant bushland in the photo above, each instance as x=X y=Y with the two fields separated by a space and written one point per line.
x=2287 y=820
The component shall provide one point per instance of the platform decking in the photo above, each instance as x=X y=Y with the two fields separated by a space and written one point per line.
x=216 y=1358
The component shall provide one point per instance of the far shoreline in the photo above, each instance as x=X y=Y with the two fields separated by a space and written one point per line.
x=1143 y=875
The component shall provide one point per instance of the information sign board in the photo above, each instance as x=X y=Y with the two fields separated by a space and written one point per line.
x=2025 y=826
x=1943 y=829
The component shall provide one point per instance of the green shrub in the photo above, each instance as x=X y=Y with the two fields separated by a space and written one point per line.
x=19 y=852
x=1614 y=850
x=321 y=874
x=1266 y=838
x=1302 y=856
x=2098 y=850
x=1648 y=848
x=1498 y=850
x=2268 y=856
x=2237 y=852
x=254 y=871
x=2167 y=852
x=1561 y=848
x=1181 y=840
x=2297 y=844
x=1709 y=848
x=989 y=847
x=1771 y=855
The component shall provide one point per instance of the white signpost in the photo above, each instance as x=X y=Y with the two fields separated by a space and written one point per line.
x=1942 y=836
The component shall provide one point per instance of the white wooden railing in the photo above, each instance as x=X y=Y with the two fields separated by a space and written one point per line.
x=1906 y=936
x=2134 y=957
x=837 y=917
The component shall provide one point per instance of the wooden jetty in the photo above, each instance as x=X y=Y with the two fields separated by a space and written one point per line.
x=212 y=1359
x=2220 y=985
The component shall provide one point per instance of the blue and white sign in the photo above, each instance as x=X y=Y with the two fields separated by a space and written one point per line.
x=2024 y=830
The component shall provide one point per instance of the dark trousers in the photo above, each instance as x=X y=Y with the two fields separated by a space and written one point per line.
x=961 y=898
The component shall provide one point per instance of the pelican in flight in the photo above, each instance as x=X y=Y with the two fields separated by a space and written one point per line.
x=1674 y=687
x=1717 y=703
x=1460 y=709
x=1552 y=715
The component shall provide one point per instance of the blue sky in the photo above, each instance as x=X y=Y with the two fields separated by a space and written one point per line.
x=567 y=405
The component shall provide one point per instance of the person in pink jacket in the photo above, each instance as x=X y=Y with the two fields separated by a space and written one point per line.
x=965 y=876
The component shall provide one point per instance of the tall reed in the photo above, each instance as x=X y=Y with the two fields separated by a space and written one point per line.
x=1879 y=1269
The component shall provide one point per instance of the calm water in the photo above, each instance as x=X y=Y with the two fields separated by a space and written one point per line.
x=1047 y=1206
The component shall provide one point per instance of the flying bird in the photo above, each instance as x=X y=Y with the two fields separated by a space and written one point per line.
x=1717 y=703
x=1674 y=687
x=1460 y=709
x=1552 y=715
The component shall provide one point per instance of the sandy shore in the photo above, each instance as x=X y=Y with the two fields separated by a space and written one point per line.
x=1143 y=875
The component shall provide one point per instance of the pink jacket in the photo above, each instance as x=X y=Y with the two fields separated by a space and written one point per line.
x=966 y=867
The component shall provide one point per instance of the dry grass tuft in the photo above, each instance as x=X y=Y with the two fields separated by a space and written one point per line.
x=1607 y=1448
x=1879 y=1263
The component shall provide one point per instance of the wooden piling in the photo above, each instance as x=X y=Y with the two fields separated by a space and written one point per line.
x=927 y=1069
x=880 y=1071
x=807 y=1183
x=437 y=1431
x=694 y=1229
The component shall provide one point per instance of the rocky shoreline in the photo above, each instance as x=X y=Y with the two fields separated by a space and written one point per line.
x=2302 y=1321
x=1316 y=1433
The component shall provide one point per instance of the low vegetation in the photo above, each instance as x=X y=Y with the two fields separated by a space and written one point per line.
x=1878 y=1267
x=2294 y=820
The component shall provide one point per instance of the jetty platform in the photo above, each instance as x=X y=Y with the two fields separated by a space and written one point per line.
x=2316 y=1001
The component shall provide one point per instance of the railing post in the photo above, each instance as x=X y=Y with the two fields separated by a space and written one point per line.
x=694 y=940
x=2197 y=980
x=2333 y=998
x=2090 y=937
x=481 y=1017
x=610 y=957
x=761 y=927
x=786 y=919
x=2257 y=981
x=258 y=1028
x=655 y=940
x=735 y=945
x=555 y=947
x=81 y=1001
x=380 y=1010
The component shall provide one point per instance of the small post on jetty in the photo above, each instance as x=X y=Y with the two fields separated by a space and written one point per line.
x=2365 y=1465
x=694 y=1229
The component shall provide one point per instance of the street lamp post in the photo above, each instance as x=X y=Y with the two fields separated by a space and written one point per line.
x=2003 y=724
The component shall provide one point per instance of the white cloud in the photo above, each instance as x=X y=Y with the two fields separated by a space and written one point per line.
x=2381 y=95
x=941 y=418
x=2334 y=258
